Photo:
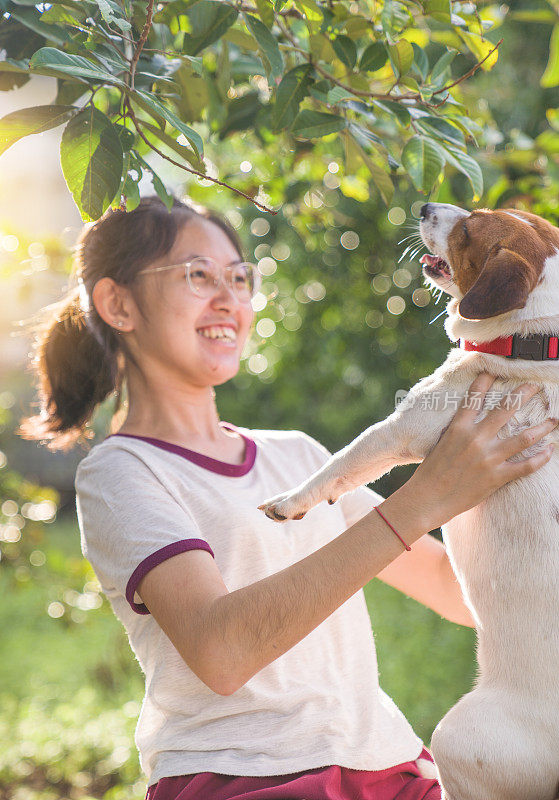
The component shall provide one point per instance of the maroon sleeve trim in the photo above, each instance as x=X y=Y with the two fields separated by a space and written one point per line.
x=153 y=560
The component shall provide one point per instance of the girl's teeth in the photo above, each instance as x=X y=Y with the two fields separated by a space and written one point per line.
x=218 y=333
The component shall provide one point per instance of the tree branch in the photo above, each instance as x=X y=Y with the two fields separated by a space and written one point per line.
x=189 y=169
x=141 y=42
x=470 y=72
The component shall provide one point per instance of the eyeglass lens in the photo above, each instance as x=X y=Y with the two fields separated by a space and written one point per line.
x=204 y=275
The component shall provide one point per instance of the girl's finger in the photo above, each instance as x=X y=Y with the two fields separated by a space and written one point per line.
x=508 y=406
x=474 y=397
x=516 y=444
x=519 y=469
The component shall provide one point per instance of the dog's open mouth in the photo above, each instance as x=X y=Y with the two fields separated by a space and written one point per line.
x=435 y=266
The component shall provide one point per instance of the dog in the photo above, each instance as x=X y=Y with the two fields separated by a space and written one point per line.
x=501 y=269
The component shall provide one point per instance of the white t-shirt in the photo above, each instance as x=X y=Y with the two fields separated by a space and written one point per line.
x=140 y=501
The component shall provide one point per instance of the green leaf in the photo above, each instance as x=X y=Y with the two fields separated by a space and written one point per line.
x=480 y=47
x=311 y=10
x=534 y=15
x=420 y=60
x=209 y=19
x=267 y=43
x=112 y=14
x=241 y=114
x=394 y=109
x=423 y=162
x=315 y=124
x=50 y=61
x=551 y=74
x=184 y=152
x=346 y=50
x=441 y=129
x=27 y=121
x=14 y=65
x=442 y=65
x=158 y=184
x=438 y=9
x=91 y=157
x=65 y=14
x=193 y=93
x=31 y=18
x=394 y=18
x=144 y=99
x=293 y=88
x=266 y=12
x=126 y=136
x=129 y=186
x=401 y=57
x=69 y=91
x=363 y=135
x=468 y=166
x=374 y=57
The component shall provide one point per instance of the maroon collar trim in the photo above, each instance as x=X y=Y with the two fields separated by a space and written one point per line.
x=206 y=462
x=533 y=347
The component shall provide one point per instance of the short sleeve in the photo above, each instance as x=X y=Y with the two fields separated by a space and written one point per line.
x=129 y=522
x=356 y=504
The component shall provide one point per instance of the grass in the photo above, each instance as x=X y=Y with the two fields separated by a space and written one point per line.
x=71 y=687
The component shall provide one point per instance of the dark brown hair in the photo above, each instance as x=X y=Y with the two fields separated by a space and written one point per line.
x=78 y=359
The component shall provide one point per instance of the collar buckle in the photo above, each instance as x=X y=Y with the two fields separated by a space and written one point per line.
x=533 y=347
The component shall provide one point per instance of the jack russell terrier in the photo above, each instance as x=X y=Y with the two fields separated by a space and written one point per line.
x=501 y=268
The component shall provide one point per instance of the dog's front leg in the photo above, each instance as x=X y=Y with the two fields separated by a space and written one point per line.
x=376 y=451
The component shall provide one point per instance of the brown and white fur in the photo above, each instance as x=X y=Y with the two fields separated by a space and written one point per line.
x=501 y=740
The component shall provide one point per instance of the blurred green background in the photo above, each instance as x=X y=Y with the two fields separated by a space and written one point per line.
x=342 y=326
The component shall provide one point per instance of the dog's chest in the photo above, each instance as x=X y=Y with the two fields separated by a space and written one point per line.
x=505 y=552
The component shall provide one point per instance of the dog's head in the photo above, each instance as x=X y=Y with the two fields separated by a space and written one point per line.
x=490 y=261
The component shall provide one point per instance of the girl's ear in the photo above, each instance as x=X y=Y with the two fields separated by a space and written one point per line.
x=504 y=284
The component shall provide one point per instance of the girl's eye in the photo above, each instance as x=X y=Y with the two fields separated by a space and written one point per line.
x=199 y=274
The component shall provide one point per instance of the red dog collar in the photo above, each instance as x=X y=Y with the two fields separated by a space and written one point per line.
x=534 y=346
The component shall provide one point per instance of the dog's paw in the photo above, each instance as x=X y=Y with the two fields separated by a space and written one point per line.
x=282 y=507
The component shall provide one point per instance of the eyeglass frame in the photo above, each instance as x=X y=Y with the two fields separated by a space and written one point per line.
x=187 y=264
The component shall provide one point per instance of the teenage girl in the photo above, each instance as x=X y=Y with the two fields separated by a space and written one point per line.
x=254 y=637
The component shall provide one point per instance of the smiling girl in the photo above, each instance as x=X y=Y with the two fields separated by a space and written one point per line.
x=255 y=641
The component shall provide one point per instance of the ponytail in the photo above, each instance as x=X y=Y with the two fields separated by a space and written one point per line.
x=77 y=368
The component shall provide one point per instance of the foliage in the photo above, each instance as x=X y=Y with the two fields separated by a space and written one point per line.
x=371 y=78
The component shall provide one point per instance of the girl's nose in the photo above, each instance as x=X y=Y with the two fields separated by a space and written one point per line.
x=224 y=292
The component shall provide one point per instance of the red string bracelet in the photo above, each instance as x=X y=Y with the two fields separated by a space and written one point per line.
x=377 y=509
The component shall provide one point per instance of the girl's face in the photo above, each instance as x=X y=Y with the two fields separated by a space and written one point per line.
x=181 y=334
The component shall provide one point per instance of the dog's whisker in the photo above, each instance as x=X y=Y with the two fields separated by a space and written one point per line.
x=416 y=251
x=437 y=317
x=412 y=246
x=411 y=236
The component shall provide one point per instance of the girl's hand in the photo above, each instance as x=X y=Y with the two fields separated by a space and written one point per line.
x=469 y=462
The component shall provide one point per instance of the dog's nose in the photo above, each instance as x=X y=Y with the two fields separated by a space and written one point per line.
x=424 y=212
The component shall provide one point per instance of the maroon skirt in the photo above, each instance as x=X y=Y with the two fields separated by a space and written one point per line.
x=402 y=781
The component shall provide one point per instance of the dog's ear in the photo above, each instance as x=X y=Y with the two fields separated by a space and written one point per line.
x=504 y=283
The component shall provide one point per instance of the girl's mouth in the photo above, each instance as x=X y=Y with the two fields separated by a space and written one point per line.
x=220 y=333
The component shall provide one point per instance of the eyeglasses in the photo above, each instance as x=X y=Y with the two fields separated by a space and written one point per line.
x=203 y=275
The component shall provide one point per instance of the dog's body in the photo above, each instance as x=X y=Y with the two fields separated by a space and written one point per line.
x=501 y=740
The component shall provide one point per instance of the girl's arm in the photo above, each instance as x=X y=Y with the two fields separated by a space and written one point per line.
x=227 y=637
x=426 y=575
